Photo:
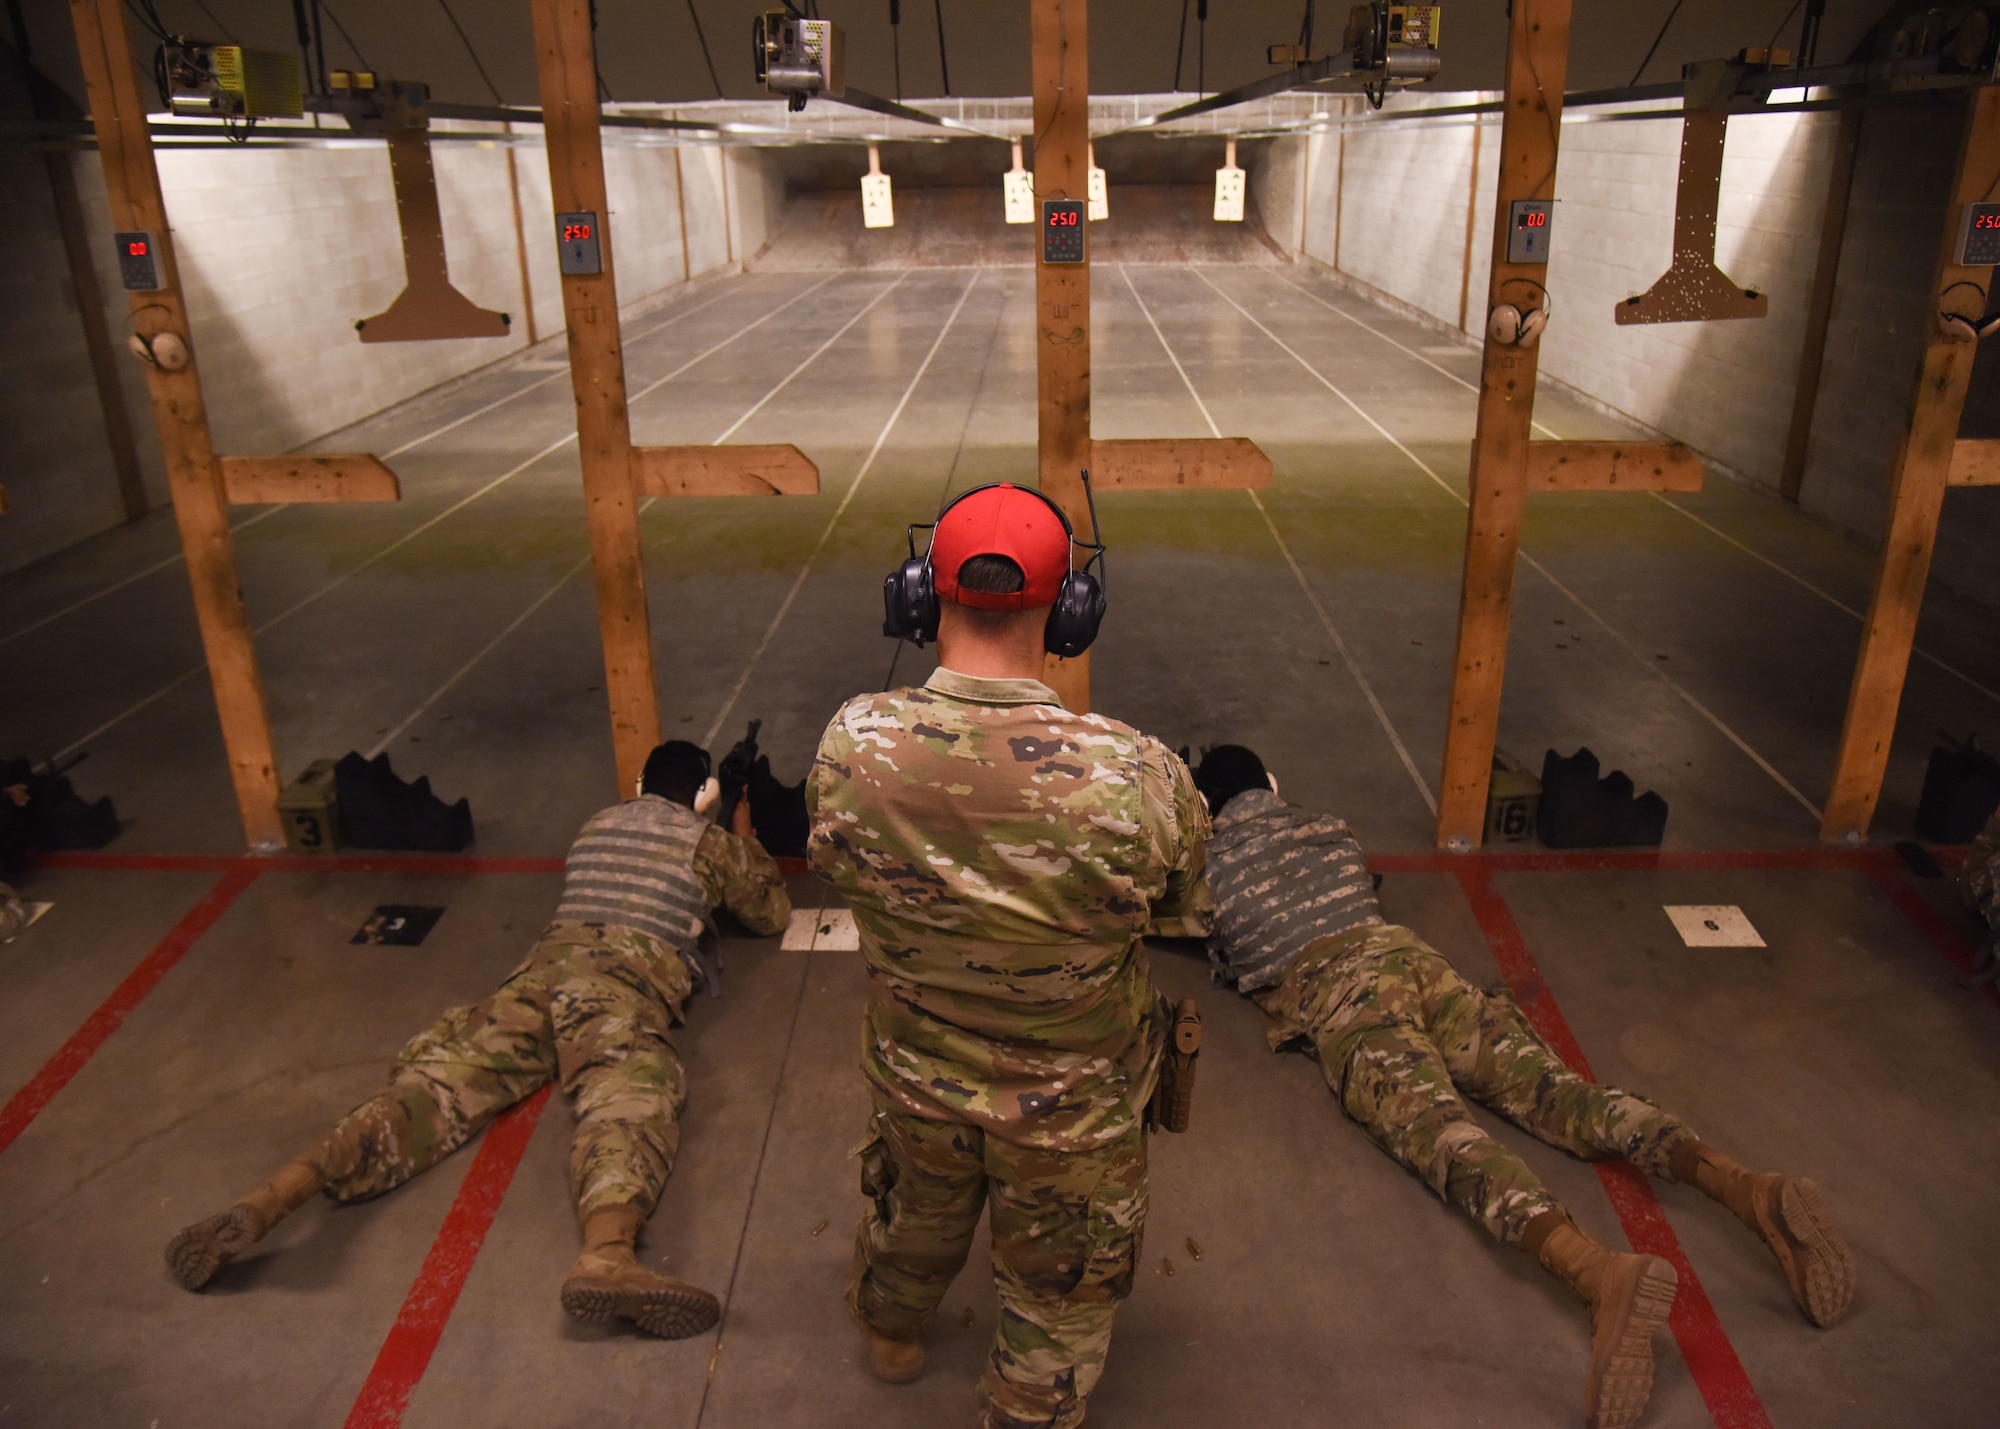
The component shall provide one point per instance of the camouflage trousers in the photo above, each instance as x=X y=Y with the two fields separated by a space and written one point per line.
x=1066 y=1234
x=1400 y=1035
x=592 y=1005
x=1979 y=879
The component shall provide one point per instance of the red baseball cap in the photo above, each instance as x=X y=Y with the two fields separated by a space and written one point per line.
x=1006 y=520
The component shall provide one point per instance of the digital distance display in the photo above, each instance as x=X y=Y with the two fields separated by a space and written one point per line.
x=1979 y=236
x=1528 y=230
x=138 y=262
x=579 y=245
x=1062 y=230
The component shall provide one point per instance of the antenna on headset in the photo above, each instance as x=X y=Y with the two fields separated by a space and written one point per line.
x=1096 y=534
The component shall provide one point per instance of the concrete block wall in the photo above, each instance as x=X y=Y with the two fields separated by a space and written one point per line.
x=1386 y=208
x=61 y=483
x=281 y=250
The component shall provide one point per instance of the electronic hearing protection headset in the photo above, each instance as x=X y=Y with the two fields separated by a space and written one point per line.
x=705 y=798
x=1513 y=326
x=910 y=599
x=1963 y=328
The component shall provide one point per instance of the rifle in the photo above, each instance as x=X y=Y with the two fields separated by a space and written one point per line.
x=734 y=773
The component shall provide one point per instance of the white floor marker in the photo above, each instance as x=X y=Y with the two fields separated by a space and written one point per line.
x=1713 y=925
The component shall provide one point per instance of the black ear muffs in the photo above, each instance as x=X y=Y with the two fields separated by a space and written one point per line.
x=910 y=608
x=1078 y=612
x=909 y=603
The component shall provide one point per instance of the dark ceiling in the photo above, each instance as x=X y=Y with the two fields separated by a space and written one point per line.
x=648 y=48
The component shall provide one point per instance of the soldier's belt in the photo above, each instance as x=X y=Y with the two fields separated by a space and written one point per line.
x=1173 y=1094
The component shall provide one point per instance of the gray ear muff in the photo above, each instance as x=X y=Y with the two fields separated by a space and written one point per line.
x=1503 y=325
x=1531 y=326
x=709 y=795
x=1958 y=328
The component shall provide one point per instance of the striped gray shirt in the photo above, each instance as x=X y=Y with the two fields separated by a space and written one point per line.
x=633 y=867
x=1282 y=879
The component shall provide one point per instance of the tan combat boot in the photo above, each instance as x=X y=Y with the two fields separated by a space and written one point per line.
x=1790 y=1213
x=1629 y=1297
x=894 y=1361
x=199 y=1251
x=608 y=1283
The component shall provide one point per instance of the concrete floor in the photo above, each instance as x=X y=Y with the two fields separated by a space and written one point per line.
x=1702 y=643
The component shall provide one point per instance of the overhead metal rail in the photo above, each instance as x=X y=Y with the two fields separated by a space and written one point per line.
x=1753 y=87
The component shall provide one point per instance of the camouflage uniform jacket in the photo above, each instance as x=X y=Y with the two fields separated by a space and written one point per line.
x=1002 y=857
x=643 y=867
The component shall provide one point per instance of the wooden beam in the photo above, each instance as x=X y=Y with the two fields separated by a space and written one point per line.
x=269 y=480
x=1916 y=495
x=132 y=184
x=1179 y=463
x=1819 y=307
x=1059 y=41
x=521 y=244
x=1974 y=462
x=1613 y=466
x=1530 y=126
x=567 y=65
x=781 y=470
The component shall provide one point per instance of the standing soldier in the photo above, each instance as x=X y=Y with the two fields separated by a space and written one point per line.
x=594 y=1004
x=1399 y=1035
x=1002 y=857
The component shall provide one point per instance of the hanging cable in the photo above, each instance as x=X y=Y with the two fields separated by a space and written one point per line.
x=319 y=48
x=227 y=33
x=1809 y=33
x=706 y=58
x=1654 y=48
x=328 y=11
x=1201 y=47
x=304 y=27
x=150 y=22
x=466 y=40
x=1782 y=23
x=896 y=43
x=1180 y=47
x=944 y=66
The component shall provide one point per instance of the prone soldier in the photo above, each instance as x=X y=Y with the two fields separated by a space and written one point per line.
x=1979 y=886
x=593 y=1005
x=1399 y=1035
x=1003 y=856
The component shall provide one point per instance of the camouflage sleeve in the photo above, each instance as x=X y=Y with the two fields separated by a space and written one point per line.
x=739 y=875
x=1979 y=877
x=1178 y=819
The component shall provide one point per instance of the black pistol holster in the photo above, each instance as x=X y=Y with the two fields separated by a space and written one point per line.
x=1173 y=1095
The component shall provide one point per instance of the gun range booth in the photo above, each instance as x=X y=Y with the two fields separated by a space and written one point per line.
x=1551 y=434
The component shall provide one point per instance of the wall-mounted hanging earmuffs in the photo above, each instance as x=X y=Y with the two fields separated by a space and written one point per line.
x=1963 y=327
x=911 y=602
x=1513 y=325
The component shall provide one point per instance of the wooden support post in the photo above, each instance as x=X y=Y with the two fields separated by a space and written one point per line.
x=1916 y=495
x=1060 y=43
x=132 y=180
x=568 y=69
x=1613 y=466
x=1819 y=309
x=254 y=480
x=1471 y=228
x=1530 y=131
x=1975 y=461
x=1179 y=464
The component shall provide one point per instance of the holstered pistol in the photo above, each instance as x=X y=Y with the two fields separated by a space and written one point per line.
x=1173 y=1096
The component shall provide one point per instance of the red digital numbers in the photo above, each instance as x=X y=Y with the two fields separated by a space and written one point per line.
x=1987 y=220
x=137 y=248
x=1534 y=220
x=1063 y=219
x=576 y=232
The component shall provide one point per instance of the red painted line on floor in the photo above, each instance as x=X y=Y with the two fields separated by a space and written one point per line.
x=406 y=1353
x=1724 y=1384
x=457 y=865
x=27 y=1104
x=1941 y=932
x=411 y=863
